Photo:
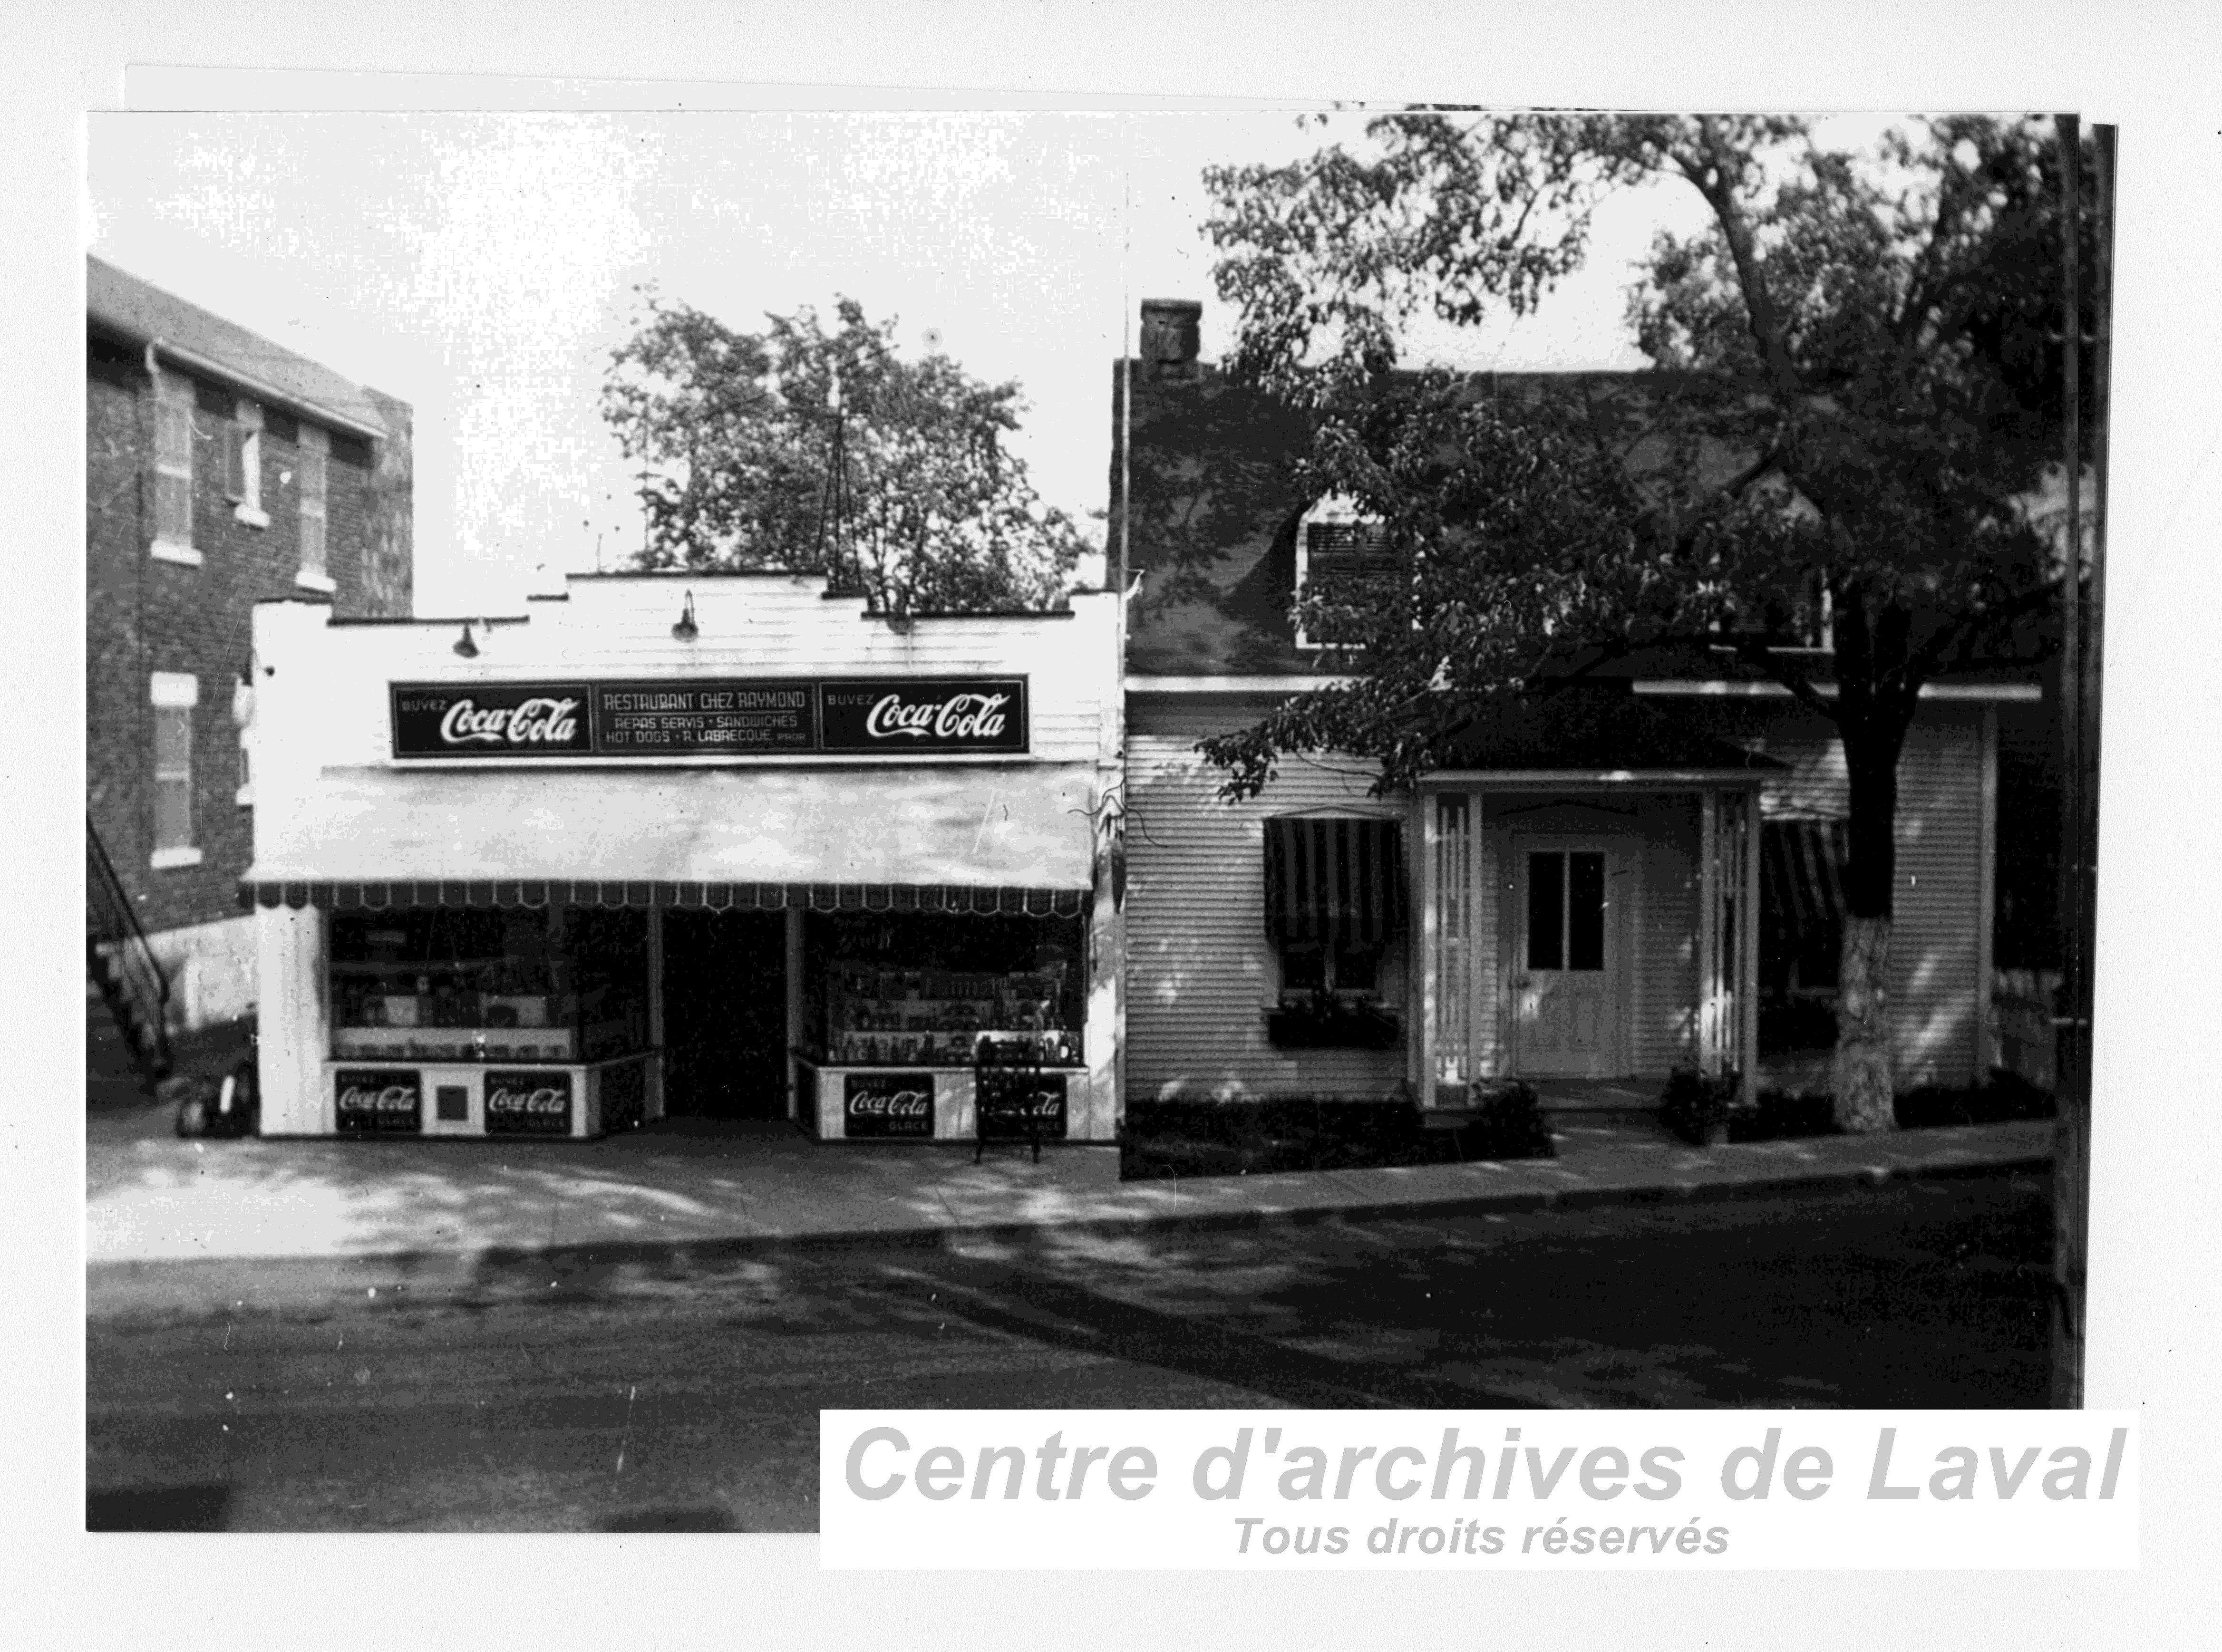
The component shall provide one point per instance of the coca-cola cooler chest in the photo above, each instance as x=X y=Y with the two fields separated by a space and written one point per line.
x=942 y=1104
x=560 y=1103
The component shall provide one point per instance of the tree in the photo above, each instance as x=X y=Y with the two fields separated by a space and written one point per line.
x=1850 y=424
x=799 y=447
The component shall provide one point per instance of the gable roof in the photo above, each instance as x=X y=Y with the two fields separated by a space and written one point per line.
x=122 y=304
x=1210 y=518
x=1212 y=501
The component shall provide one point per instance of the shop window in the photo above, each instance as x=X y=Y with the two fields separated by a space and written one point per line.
x=1347 y=563
x=243 y=463
x=173 y=470
x=313 y=574
x=922 y=989
x=474 y=985
x=174 y=695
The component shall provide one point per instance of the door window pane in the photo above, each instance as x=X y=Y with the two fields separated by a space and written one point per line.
x=1586 y=911
x=1546 y=898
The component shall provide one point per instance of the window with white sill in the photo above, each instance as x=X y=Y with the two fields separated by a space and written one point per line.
x=315 y=450
x=173 y=470
x=242 y=449
x=174 y=695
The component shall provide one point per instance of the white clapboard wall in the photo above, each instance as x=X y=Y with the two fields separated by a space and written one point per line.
x=1201 y=968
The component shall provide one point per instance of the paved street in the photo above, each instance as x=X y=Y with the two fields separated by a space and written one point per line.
x=540 y=1394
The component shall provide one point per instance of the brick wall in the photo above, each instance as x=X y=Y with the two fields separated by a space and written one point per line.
x=145 y=615
x=117 y=734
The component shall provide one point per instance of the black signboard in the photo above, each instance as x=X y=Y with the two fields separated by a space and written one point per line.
x=379 y=1101
x=492 y=720
x=887 y=1103
x=910 y=715
x=684 y=719
x=890 y=717
x=528 y=1104
x=1004 y=1098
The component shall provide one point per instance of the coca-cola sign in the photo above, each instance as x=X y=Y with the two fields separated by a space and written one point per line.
x=1006 y=1100
x=528 y=1104
x=379 y=1101
x=492 y=720
x=900 y=715
x=697 y=718
x=887 y=1104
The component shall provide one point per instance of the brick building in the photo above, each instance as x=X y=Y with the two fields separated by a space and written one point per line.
x=220 y=471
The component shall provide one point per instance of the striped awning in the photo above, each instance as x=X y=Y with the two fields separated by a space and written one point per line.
x=1802 y=864
x=711 y=897
x=1333 y=880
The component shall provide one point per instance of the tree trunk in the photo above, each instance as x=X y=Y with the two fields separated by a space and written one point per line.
x=1861 y=1077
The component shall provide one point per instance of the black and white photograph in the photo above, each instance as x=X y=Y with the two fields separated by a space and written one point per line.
x=753 y=753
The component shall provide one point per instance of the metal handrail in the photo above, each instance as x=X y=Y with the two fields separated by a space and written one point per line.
x=112 y=928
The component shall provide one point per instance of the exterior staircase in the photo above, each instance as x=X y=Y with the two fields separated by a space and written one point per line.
x=120 y=966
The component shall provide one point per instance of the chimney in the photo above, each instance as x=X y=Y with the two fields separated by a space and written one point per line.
x=1171 y=337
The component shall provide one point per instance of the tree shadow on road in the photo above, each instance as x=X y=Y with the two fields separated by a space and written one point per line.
x=160 y=1508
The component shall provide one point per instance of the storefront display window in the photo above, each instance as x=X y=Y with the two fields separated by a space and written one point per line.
x=448 y=984
x=912 y=990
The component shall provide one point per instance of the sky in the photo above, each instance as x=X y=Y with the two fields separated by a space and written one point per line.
x=482 y=266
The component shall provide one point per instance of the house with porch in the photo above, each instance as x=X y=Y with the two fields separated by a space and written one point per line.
x=1608 y=883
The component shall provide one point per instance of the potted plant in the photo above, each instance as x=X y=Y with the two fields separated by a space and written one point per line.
x=1699 y=1107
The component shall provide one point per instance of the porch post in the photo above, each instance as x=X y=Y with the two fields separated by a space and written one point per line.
x=1708 y=931
x=1748 y=950
x=1429 y=837
x=1473 y=866
x=792 y=918
x=652 y=1102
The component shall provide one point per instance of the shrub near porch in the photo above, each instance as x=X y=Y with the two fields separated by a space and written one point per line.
x=1177 y=1138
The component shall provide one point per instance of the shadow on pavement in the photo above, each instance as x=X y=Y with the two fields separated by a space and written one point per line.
x=1059 y=1313
x=160 y=1508
x=702 y=1518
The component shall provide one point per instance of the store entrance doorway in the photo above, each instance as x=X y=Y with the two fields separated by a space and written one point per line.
x=724 y=1015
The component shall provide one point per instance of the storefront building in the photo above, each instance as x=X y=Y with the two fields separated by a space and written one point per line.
x=1627 y=877
x=717 y=846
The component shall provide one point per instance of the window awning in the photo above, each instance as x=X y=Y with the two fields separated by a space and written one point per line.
x=1801 y=862
x=1014 y=839
x=1340 y=881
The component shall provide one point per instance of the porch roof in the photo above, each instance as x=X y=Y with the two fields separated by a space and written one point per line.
x=1595 y=729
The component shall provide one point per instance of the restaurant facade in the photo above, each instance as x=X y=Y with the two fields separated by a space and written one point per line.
x=723 y=846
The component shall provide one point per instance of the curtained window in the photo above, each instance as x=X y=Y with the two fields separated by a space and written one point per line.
x=1335 y=896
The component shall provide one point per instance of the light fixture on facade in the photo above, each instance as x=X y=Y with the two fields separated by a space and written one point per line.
x=464 y=645
x=686 y=631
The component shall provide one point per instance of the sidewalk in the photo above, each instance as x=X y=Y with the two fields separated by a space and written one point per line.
x=152 y=1198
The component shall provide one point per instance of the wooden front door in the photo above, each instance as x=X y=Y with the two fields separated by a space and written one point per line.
x=1566 y=999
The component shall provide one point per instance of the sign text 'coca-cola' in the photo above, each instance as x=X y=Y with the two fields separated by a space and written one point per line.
x=379 y=1101
x=528 y=1104
x=1015 y=1104
x=887 y=1103
x=913 y=714
x=692 y=719
x=491 y=720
